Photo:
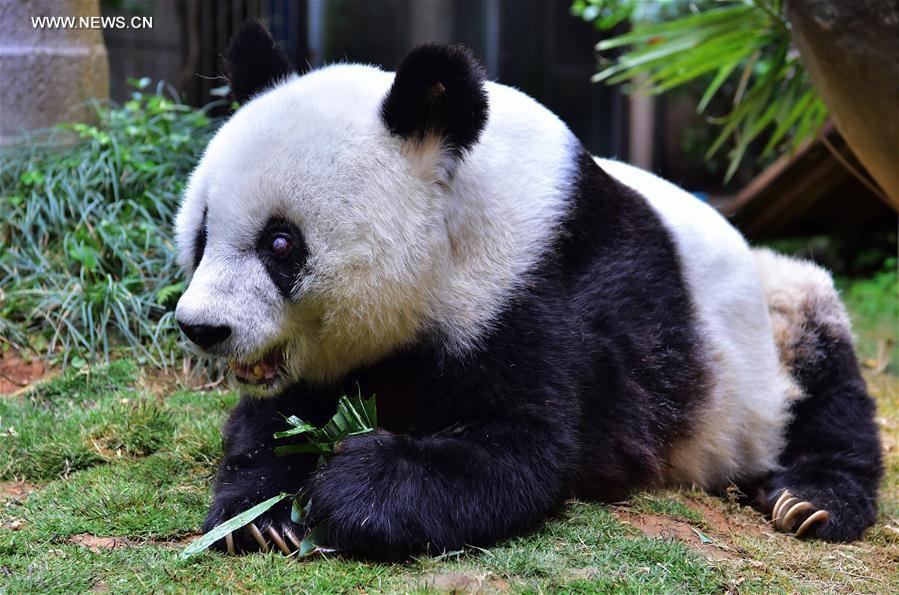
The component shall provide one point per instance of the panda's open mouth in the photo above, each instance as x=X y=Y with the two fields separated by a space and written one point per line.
x=264 y=372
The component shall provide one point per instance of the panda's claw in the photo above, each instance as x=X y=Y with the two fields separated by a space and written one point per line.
x=784 y=496
x=229 y=544
x=788 y=508
x=781 y=512
x=279 y=541
x=291 y=537
x=816 y=517
x=257 y=535
x=788 y=519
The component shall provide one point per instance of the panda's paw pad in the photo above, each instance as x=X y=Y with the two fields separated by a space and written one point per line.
x=789 y=509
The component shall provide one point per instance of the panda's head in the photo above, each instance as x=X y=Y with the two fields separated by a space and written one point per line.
x=313 y=229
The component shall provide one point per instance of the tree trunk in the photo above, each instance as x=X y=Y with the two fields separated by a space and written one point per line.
x=851 y=51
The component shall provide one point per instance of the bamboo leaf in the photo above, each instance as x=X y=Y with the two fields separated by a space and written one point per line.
x=305 y=448
x=787 y=123
x=314 y=542
x=723 y=73
x=773 y=90
x=704 y=19
x=751 y=103
x=703 y=67
x=299 y=427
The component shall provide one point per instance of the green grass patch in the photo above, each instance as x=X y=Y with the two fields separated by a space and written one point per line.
x=873 y=305
x=96 y=416
x=160 y=496
x=665 y=504
x=87 y=262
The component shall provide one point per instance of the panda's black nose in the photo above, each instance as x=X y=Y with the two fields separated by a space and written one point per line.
x=205 y=335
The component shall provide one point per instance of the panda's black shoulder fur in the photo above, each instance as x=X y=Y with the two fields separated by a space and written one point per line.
x=486 y=444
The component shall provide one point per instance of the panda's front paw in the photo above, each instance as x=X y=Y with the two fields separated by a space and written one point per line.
x=272 y=530
x=373 y=499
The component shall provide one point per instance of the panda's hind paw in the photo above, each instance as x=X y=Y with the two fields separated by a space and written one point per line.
x=789 y=509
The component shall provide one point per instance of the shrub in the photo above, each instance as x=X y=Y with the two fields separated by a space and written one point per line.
x=87 y=262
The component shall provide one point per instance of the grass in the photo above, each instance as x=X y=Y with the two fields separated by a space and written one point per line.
x=874 y=308
x=120 y=473
x=87 y=263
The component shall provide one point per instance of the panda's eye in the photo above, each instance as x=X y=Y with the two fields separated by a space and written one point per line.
x=281 y=244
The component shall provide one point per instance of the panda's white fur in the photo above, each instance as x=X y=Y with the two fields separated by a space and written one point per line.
x=378 y=272
x=801 y=297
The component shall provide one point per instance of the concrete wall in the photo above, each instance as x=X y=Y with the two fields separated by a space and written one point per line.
x=47 y=74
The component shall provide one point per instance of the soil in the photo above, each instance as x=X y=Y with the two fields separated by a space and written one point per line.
x=97 y=543
x=460 y=582
x=712 y=542
x=17 y=372
x=746 y=520
x=16 y=490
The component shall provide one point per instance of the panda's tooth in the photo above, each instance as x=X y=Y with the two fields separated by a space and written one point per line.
x=257 y=371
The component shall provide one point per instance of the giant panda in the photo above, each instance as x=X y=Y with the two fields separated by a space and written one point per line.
x=536 y=323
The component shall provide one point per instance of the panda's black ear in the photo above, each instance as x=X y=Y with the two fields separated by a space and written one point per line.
x=254 y=63
x=438 y=90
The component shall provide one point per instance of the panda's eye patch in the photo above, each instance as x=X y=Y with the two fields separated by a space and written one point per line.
x=281 y=244
x=282 y=250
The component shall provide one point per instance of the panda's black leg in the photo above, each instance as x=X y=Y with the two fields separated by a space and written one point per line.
x=389 y=496
x=831 y=466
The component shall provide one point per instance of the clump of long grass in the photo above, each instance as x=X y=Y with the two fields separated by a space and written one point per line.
x=87 y=263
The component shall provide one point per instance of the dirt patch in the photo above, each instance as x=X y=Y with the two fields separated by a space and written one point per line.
x=714 y=547
x=460 y=582
x=161 y=383
x=18 y=373
x=727 y=524
x=16 y=490
x=178 y=542
x=98 y=544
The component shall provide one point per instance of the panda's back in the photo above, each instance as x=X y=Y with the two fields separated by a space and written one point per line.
x=738 y=431
x=661 y=291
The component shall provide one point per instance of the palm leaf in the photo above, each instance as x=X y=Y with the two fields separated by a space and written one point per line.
x=749 y=39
